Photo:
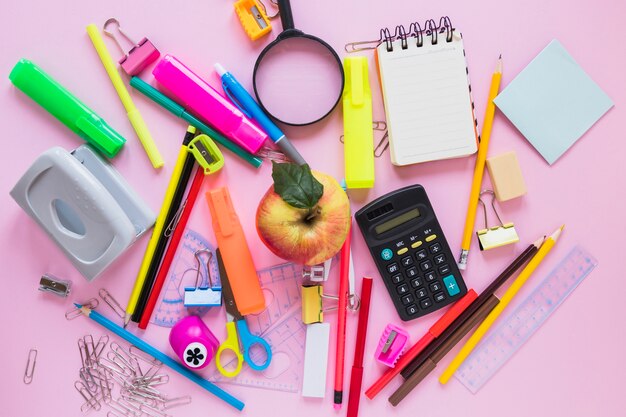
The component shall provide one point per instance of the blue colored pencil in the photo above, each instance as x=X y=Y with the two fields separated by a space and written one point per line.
x=132 y=339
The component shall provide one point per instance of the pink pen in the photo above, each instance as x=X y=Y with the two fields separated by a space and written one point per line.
x=198 y=96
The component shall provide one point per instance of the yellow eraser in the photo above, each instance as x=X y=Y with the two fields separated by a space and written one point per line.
x=506 y=176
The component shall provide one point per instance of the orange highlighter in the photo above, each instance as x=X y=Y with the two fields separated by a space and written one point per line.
x=235 y=253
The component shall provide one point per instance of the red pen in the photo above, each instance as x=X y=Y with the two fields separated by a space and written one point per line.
x=344 y=271
x=356 y=378
x=194 y=190
x=432 y=333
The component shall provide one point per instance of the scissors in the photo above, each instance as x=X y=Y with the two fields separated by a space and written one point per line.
x=236 y=331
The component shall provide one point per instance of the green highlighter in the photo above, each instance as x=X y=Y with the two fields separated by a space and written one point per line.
x=63 y=105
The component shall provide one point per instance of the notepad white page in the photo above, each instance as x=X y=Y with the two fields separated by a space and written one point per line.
x=427 y=100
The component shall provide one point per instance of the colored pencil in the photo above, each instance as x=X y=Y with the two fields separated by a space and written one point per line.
x=508 y=272
x=484 y=327
x=157 y=354
x=431 y=362
x=479 y=168
x=356 y=377
x=192 y=196
x=433 y=333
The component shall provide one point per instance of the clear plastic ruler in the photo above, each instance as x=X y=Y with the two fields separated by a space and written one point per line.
x=280 y=324
x=514 y=330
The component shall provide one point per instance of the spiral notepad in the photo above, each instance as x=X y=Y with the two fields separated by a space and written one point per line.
x=425 y=84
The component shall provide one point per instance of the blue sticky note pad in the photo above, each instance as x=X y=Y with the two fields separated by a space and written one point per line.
x=553 y=102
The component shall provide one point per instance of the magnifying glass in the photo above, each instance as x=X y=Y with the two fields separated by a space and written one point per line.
x=298 y=78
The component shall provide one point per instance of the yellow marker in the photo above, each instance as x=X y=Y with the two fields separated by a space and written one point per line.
x=358 y=136
x=479 y=168
x=131 y=110
x=484 y=327
x=157 y=231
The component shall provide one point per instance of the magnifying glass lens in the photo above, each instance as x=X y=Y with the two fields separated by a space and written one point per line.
x=298 y=80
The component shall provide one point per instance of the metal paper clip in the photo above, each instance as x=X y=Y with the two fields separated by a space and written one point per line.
x=272 y=154
x=275 y=4
x=140 y=354
x=382 y=145
x=30 y=366
x=92 y=303
x=50 y=283
x=377 y=125
x=496 y=236
x=112 y=302
x=209 y=294
x=367 y=45
x=142 y=54
x=91 y=401
x=312 y=304
x=176 y=402
x=354 y=302
x=317 y=273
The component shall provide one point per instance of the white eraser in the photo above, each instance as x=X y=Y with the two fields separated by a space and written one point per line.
x=316 y=360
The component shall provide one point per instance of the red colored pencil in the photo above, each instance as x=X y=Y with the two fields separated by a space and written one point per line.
x=194 y=190
x=344 y=271
x=432 y=333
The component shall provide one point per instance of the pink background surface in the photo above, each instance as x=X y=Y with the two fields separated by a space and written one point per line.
x=573 y=366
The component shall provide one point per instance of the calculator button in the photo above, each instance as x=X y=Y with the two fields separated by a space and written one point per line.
x=421 y=255
x=426 y=265
x=430 y=238
x=430 y=276
x=402 y=289
x=396 y=279
x=393 y=268
x=435 y=248
x=408 y=299
x=417 y=244
x=439 y=297
x=407 y=260
x=439 y=259
x=386 y=254
x=411 y=310
x=411 y=272
x=444 y=269
x=450 y=283
x=434 y=287
x=426 y=303
x=402 y=251
x=421 y=293
x=416 y=283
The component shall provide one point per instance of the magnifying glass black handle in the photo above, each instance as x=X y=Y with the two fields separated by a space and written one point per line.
x=286 y=17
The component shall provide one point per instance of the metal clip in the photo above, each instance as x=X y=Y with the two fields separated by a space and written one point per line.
x=496 y=236
x=203 y=295
x=112 y=302
x=312 y=304
x=317 y=273
x=30 y=366
x=50 y=283
x=142 y=54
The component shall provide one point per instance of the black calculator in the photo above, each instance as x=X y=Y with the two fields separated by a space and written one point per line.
x=411 y=252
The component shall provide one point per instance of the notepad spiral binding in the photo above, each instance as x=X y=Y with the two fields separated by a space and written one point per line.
x=431 y=29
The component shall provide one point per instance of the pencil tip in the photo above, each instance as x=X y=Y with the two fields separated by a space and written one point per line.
x=78 y=305
x=500 y=57
x=557 y=233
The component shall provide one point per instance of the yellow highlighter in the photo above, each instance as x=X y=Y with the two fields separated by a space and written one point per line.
x=131 y=110
x=358 y=136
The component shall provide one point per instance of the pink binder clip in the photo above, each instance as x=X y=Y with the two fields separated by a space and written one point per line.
x=142 y=54
x=391 y=345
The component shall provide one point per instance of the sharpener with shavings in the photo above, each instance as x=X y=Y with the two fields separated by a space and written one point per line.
x=84 y=205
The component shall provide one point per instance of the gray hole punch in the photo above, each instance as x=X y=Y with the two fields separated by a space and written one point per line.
x=85 y=206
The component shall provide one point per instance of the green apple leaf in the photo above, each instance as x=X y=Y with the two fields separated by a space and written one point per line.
x=296 y=185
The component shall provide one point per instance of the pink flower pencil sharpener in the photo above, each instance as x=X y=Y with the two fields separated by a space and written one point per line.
x=391 y=345
x=193 y=342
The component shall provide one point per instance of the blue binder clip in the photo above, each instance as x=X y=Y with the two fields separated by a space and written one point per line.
x=205 y=293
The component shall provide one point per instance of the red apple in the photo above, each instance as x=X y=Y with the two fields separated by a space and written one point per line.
x=305 y=236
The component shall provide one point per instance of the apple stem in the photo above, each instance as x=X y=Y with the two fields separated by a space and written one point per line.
x=313 y=213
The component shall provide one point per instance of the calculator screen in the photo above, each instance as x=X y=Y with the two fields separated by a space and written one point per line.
x=397 y=221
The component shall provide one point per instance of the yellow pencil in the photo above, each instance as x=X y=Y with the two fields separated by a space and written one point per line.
x=476 y=337
x=479 y=168
x=156 y=233
x=131 y=110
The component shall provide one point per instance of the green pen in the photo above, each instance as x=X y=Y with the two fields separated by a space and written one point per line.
x=63 y=105
x=178 y=110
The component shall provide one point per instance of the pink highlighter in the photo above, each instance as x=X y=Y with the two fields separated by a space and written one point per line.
x=195 y=94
